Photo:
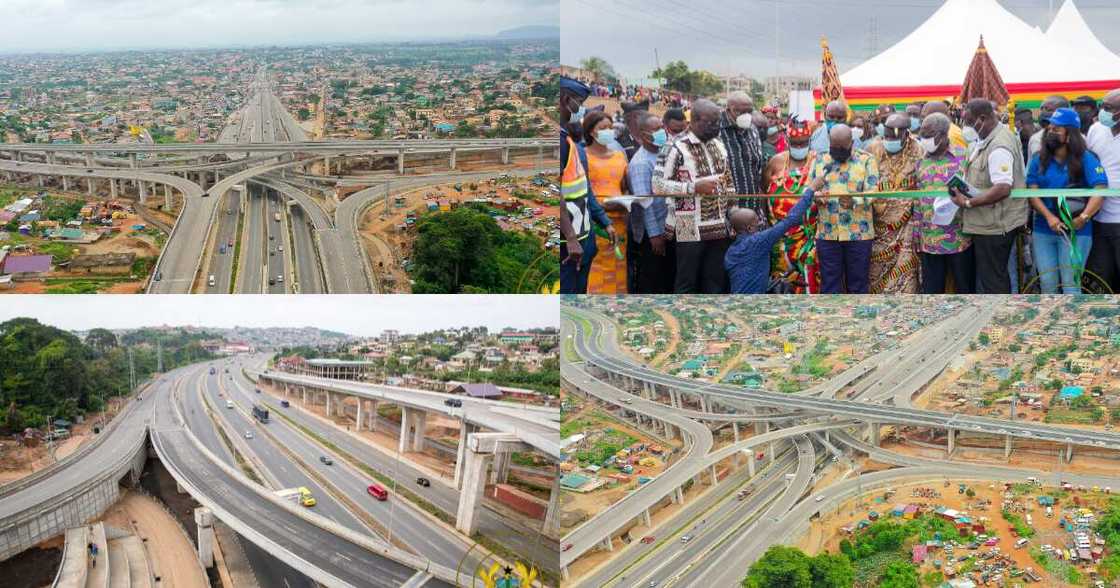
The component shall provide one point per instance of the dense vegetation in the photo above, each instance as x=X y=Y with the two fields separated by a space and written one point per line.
x=877 y=556
x=51 y=372
x=1109 y=528
x=465 y=251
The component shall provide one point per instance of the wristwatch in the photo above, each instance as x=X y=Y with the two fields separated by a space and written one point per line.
x=968 y=203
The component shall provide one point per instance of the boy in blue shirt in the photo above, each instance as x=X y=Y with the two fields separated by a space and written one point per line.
x=747 y=261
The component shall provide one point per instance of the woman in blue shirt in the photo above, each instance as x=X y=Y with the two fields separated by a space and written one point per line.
x=1063 y=162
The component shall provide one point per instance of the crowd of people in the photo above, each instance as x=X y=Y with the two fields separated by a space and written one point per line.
x=730 y=198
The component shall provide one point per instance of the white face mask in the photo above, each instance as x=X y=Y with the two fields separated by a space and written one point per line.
x=744 y=121
x=970 y=134
x=929 y=144
x=857 y=134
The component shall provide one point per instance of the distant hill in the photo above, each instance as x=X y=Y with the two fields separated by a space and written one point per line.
x=530 y=32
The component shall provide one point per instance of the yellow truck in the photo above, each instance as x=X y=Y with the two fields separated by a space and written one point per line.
x=299 y=495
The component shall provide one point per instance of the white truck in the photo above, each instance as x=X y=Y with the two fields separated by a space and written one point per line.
x=229 y=404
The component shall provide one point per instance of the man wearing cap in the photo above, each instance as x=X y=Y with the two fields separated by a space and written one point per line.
x=631 y=112
x=1086 y=107
x=580 y=207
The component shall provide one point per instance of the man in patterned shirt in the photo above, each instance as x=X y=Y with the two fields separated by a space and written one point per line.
x=845 y=227
x=942 y=246
x=695 y=163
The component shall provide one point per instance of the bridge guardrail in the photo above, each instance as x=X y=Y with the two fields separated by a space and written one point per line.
x=327 y=525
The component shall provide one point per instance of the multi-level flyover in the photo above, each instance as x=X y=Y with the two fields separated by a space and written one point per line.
x=81 y=488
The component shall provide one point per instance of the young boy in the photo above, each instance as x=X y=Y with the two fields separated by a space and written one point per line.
x=748 y=259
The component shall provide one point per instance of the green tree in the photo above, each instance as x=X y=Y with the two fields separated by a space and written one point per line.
x=101 y=339
x=465 y=250
x=599 y=67
x=677 y=76
x=831 y=571
x=780 y=567
x=899 y=574
x=303 y=113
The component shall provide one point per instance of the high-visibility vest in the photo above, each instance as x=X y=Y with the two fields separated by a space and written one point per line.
x=573 y=186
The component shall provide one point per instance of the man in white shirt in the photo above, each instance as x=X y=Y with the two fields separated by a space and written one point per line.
x=1104 y=141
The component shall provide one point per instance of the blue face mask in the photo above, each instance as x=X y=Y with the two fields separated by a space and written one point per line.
x=577 y=116
x=1106 y=118
x=771 y=131
x=660 y=138
x=915 y=124
x=799 y=153
x=604 y=137
x=892 y=145
x=881 y=129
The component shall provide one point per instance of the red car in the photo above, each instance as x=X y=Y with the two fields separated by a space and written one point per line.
x=566 y=547
x=378 y=492
x=648 y=539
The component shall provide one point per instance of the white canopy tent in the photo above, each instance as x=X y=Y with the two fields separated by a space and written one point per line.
x=939 y=51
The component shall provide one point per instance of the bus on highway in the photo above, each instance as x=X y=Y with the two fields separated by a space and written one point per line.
x=260 y=413
x=276 y=216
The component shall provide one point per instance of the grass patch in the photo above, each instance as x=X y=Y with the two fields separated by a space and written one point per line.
x=236 y=249
x=868 y=570
x=1017 y=522
x=1058 y=568
x=60 y=251
x=81 y=285
x=242 y=463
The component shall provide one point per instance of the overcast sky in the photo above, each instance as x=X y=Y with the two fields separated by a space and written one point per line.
x=66 y=25
x=354 y=315
x=738 y=36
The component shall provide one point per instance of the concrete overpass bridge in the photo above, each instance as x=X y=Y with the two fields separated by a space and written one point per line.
x=490 y=430
x=81 y=488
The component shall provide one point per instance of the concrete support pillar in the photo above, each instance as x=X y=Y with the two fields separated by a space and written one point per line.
x=505 y=156
x=678 y=495
x=647 y=519
x=143 y=192
x=65 y=184
x=41 y=179
x=608 y=544
x=1069 y=452
x=735 y=431
x=89 y=186
x=358 y=417
x=112 y=188
x=499 y=473
x=132 y=163
x=453 y=152
x=761 y=427
x=326 y=166
x=1007 y=447
x=205 y=521
x=371 y=416
x=330 y=397
x=89 y=159
x=474 y=482
x=873 y=433
x=552 y=515
x=952 y=438
x=420 y=422
x=304 y=395
x=712 y=471
x=752 y=465
x=166 y=197
x=703 y=403
x=400 y=161
x=465 y=429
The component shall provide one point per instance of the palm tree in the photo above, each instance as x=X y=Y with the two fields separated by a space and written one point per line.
x=598 y=67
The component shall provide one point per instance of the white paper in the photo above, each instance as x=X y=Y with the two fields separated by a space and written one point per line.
x=944 y=210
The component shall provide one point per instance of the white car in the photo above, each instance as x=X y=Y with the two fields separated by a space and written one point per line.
x=248 y=434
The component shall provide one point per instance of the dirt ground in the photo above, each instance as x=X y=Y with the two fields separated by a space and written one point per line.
x=17 y=461
x=35 y=567
x=173 y=558
x=825 y=534
x=598 y=500
x=673 y=339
